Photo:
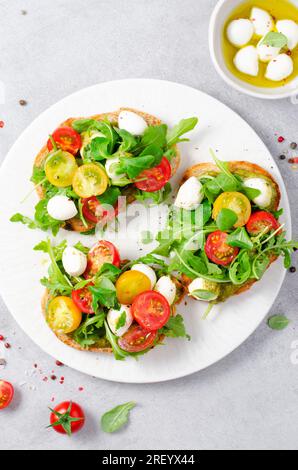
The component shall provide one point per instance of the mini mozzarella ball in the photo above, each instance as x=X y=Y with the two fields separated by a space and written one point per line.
x=147 y=270
x=280 y=68
x=264 y=199
x=290 y=29
x=132 y=122
x=267 y=53
x=190 y=194
x=74 y=261
x=61 y=208
x=199 y=284
x=110 y=166
x=113 y=318
x=167 y=288
x=240 y=32
x=246 y=61
x=262 y=21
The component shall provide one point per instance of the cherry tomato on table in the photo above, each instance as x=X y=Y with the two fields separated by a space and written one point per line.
x=130 y=284
x=83 y=299
x=151 y=310
x=101 y=253
x=155 y=178
x=137 y=339
x=67 y=418
x=218 y=251
x=67 y=139
x=261 y=220
x=6 y=394
x=94 y=212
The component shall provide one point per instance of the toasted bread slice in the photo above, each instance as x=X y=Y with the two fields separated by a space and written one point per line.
x=75 y=224
x=243 y=169
x=105 y=347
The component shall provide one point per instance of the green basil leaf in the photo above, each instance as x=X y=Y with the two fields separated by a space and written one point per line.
x=278 y=322
x=116 y=418
x=133 y=166
x=121 y=320
x=275 y=39
x=185 y=125
x=82 y=125
x=110 y=196
x=202 y=294
x=250 y=193
x=226 y=219
x=154 y=135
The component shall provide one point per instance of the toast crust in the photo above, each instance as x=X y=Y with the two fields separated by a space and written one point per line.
x=75 y=224
x=235 y=167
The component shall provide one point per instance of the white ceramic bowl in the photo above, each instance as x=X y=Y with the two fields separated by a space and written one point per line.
x=221 y=12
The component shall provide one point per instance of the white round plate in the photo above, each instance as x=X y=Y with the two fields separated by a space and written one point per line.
x=21 y=267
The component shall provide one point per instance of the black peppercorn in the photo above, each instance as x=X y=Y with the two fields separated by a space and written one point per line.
x=282 y=157
x=292 y=269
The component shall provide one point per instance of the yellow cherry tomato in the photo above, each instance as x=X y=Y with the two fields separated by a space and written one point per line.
x=60 y=168
x=63 y=316
x=89 y=180
x=130 y=284
x=237 y=202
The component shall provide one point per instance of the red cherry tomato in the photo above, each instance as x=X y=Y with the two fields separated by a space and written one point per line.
x=102 y=252
x=94 y=212
x=261 y=220
x=83 y=299
x=151 y=310
x=218 y=251
x=155 y=178
x=67 y=139
x=6 y=394
x=137 y=339
x=67 y=418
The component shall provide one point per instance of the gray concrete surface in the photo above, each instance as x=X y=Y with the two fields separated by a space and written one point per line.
x=250 y=399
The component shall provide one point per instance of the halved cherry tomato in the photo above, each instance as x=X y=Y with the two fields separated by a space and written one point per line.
x=63 y=316
x=102 y=252
x=218 y=251
x=6 y=394
x=89 y=180
x=67 y=418
x=261 y=220
x=83 y=299
x=137 y=339
x=130 y=284
x=151 y=310
x=155 y=178
x=94 y=212
x=60 y=168
x=237 y=202
x=67 y=139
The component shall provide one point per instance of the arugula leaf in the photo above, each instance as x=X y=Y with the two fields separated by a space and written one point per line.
x=82 y=125
x=133 y=166
x=116 y=418
x=240 y=238
x=84 y=249
x=157 y=196
x=91 y=331
x=259 y=265
x=175 y=328
x=110 y=196
x=57 y=281
x=275 y=39
x=24 y=220
x=185 y=125
x=42 y=220
x=154 y=135
x=119 y=354
x=226 y=219
x=103 y=293
x=146 y=237
x=97 y=150
x=128 y=141
x=240 y=269
x=278 y=322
